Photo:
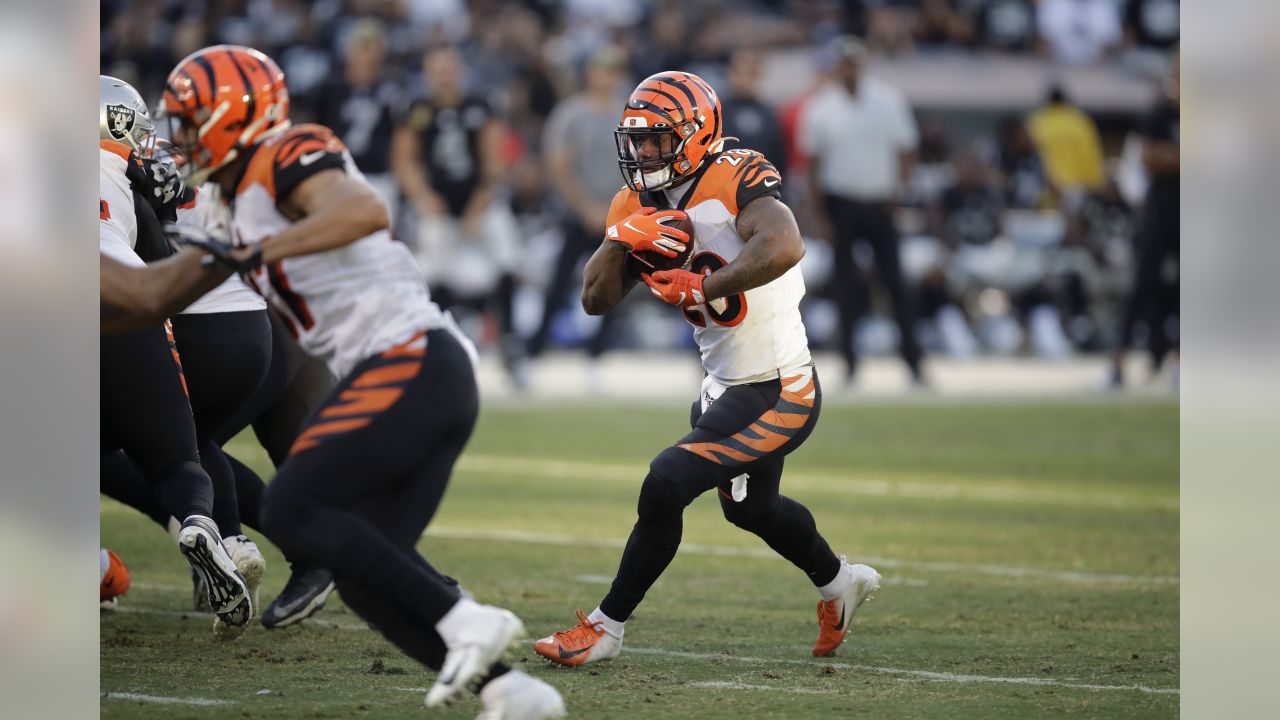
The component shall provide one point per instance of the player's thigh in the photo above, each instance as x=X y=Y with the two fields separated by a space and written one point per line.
x=763 y=480
x=687 y=469
x=144 y=406
x=381 y=423
x=225 y=357
x=750 y=423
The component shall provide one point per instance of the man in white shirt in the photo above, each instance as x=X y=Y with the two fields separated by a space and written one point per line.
x=860 y=137
x=1079 y=32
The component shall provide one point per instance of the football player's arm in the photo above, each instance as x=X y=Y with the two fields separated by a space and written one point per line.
x=604 y=279
x=330 y=209
x=134 y=298
x=773 y=246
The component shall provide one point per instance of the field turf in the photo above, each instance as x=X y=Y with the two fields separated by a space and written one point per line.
x=1030 y=555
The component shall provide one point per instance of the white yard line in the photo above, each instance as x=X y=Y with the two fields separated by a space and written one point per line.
x=537 y=538
x=731 y=685
x=918 y=489
x=659 y=652
x=163 y=700
x=924 y=674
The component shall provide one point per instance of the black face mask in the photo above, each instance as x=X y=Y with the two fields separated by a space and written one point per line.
x=633 y=141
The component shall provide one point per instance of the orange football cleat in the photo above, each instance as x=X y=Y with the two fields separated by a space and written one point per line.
x=835 y=617
x=113 y=577
x=583 y=643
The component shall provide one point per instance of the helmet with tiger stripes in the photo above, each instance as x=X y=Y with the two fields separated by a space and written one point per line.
x=670 y=126
x=220 y=101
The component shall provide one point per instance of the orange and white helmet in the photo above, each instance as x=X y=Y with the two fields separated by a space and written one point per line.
x=670 y=126
x=220 y=101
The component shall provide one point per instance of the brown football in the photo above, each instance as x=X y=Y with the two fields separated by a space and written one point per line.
x=647 y=261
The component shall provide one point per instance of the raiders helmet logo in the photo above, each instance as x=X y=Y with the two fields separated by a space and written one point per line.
x=120 y=121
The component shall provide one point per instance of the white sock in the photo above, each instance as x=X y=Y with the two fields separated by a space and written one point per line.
x=608 y=624
x=840 y=585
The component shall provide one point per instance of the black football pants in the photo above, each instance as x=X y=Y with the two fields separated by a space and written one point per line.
x=748 y=429
x=364 y=478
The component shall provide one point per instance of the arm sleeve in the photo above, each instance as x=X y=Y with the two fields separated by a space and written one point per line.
x=757 y=179
x=624 y=203
x=304 y=153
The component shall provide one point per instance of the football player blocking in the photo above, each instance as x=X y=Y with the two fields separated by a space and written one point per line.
x=369 y=467
x=760 y=397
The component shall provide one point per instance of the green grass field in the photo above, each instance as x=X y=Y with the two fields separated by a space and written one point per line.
x=1030 y=555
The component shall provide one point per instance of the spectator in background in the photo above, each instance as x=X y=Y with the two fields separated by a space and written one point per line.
x=581 y=163
x=1151 y=24
x=358 y=106
x=859 y=135
x=447 y=157
x=745 y=116
x=1026 y=185
x=1006 y=25
x=970 y=209
x=1096 y=264
x=1069 y=145
x=941 y=23
x=1078 y=32
x=1154 y=297
x=1151 y=29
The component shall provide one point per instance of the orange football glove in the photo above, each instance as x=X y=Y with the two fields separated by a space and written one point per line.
x=646 y=230
x=677 y=287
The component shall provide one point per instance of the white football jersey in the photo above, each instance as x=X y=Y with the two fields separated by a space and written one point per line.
x=206 y=210
x=343 y=305
x=753 y=336
x=117 y=225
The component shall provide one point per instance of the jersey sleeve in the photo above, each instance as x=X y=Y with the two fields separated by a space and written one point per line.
x=117 y=224
x=303 y=152
x=756 y=179
x=625 y=202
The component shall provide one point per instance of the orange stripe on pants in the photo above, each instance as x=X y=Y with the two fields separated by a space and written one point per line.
x=369 y=401
x=311 y=436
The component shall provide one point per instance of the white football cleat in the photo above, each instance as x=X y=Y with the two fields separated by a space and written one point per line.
x=227 y=592
x=516 y=696
x=835 y=617
x=477 y=636
x=249 y=561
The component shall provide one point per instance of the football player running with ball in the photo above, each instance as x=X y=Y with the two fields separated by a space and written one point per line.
x=760 y=398
x=368 y=469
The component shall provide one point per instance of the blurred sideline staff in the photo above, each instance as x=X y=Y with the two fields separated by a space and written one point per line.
x=860 y=137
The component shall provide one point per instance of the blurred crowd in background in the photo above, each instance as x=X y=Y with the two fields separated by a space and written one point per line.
x=945 y=213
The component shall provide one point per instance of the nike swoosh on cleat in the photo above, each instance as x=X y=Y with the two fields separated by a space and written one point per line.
x=566 y=654
x=839 y=626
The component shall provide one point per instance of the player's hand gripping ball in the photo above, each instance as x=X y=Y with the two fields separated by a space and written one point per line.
x=655 y=240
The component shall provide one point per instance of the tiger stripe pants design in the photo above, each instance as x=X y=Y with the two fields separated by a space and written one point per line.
x=365 y=476
x=748 y=430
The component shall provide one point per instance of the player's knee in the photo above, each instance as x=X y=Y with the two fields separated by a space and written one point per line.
x=746 y=515
x=659 y=499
